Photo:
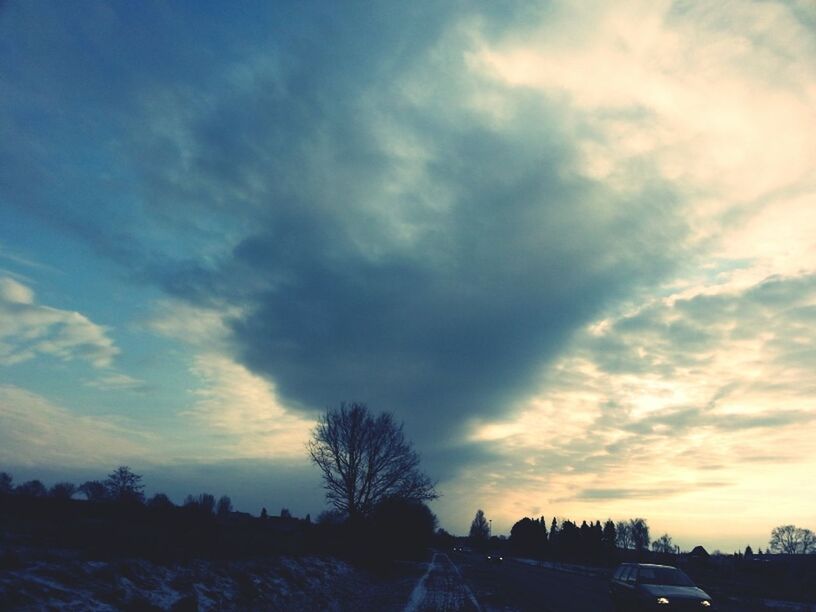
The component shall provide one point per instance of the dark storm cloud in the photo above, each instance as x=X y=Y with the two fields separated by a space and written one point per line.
x=388 y=242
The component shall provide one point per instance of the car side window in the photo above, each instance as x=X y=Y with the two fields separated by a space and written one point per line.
x=646 y=574
x=619 y=572
x=624 y=573
x=632 y=575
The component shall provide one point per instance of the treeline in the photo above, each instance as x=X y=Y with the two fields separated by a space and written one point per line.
x=113 y=518
x=588 y=542
x=122 y=486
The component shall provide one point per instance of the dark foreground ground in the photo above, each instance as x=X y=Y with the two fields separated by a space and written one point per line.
x=519 y=585
x=448 y=582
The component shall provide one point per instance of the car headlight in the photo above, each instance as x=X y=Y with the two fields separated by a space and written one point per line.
x=705 y=603
x=663 y=601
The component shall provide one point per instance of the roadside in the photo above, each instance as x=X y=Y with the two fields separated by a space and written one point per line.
x=33 y=580
x=443 y=589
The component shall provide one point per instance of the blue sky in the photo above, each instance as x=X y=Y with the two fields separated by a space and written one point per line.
x=571 y=247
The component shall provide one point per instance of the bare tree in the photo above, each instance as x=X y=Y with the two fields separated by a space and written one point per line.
x=623 y=535
x=663 y=544
x=792 y=540
x=206 y=502
x=366 y=459
x=808 y=541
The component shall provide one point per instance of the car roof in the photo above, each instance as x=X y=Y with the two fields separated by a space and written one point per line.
x=648 y=565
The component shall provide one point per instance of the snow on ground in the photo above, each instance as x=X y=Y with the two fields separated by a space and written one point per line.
x=282 y=583
x=442 y=588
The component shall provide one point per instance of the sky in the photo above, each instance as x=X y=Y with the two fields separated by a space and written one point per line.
x=570 y=245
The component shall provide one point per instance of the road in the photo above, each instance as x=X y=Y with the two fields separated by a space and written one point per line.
x=467 y=582
x=513 y=585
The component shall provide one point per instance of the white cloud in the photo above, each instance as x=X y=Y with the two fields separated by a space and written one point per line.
x=703 y=399
x=28 y=329
x=35 y=431
x=235 y=413
x=718 y=99
x=702 y=388
x=204 y=328
x=243 y=413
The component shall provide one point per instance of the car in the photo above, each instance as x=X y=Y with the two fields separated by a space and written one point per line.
x=646 y=586
x=495 y=558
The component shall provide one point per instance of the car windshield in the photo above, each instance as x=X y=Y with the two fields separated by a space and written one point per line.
x=663 y=575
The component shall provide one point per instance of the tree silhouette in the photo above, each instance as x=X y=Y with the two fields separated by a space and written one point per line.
x=568 y=539
x=6 y=481
x=160 y=501
x=663 y=545
x=596 y=544
x=330 y=517
x=401 y=529
x=206 y=503
x=792 y=540
x=124 y=486
x=623 y=533
x=366 y=459
x=94 y=490
x=32 y=488
x=529 y=536
x=62 y=490
x=609 y=537
x=479 y=528
x=639 y=533
x=224 y=506
x=284 y=513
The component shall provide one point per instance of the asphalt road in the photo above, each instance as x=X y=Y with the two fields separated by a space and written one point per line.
x=516 y=586
x=513 y=585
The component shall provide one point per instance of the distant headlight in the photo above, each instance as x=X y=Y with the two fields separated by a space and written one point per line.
x=663 y=601
x=705 y=603
x=501 y=558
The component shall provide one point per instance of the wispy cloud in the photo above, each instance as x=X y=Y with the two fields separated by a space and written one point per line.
x=37 y=432
x=120 y=382
x=28 y=329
